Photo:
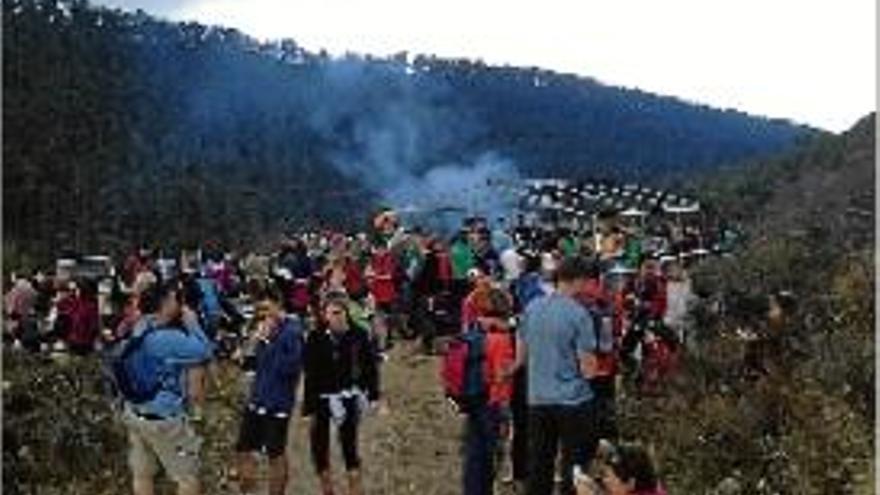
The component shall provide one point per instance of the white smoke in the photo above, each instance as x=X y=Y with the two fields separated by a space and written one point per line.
x=393 y=133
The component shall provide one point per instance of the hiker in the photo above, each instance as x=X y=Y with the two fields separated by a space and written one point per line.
x=131 y=312
x=218 y=269
x=679 y=298
x=202 y=295
x=528 y=287
x=19 y=308
x=485 y=256
x=597 y=300
x=477 y=300
x=341 y=382
x=625 y=470
x=512 y=265
x=278 y=345
x=427 y=286
x=137 y=262
x=82 y=318
x=462 y=258
x=355 y=285
x=159 y=430
x=488 y=414
x=646 y=305
x=299 y=270
x=530 y=284
x=382 y=277
x=557 y=343
x=335 y=276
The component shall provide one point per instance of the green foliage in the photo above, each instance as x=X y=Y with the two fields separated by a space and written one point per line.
x=57 y=425
x=17 y=260
x=806 y=427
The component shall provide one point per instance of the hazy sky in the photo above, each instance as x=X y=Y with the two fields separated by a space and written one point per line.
x=812 y=61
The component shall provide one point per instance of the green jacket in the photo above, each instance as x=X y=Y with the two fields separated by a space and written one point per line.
x=569 y=247
x=462 y=257
x=633 y=252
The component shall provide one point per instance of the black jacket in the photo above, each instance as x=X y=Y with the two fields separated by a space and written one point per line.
x=334 y=364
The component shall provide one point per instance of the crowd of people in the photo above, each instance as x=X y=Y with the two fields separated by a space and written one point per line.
x=562 y=318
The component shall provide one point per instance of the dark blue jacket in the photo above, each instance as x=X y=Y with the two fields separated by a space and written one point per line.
x=279 y=363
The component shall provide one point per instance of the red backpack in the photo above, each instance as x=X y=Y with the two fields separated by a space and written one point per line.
x=462 y=373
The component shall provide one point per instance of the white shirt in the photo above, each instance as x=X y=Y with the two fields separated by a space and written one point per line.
x=511 y=263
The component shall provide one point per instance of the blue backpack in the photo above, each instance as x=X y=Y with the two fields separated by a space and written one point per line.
x=135 y=373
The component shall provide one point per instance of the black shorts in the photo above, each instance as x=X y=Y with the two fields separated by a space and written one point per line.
x=262 y=433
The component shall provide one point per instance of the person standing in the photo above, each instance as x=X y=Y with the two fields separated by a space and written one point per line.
x=557 y=344
x=278 y=346
x=488 y=414
x=341 y=381
x=159 y=430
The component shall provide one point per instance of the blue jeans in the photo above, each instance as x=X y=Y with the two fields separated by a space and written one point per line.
x=481 y=443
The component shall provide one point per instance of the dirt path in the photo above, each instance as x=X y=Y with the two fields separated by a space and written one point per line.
x=413 y=448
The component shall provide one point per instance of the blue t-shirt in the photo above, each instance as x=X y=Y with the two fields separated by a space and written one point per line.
x=557 y=331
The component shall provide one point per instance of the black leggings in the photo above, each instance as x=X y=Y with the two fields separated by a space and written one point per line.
x=348 y=436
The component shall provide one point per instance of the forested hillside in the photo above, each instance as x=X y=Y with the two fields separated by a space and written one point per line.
x=806 y=425
x=122 y=128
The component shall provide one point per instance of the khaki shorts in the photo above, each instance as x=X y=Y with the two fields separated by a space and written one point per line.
x=171 y=442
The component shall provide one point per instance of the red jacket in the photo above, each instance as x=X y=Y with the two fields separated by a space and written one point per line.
x=354 y=278
x=444 y=267
x=653 y=288
x=83 y=320
x=383 y=285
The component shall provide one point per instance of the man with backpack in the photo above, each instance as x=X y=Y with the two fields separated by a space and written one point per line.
x=557 y=344
x=149 y=369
